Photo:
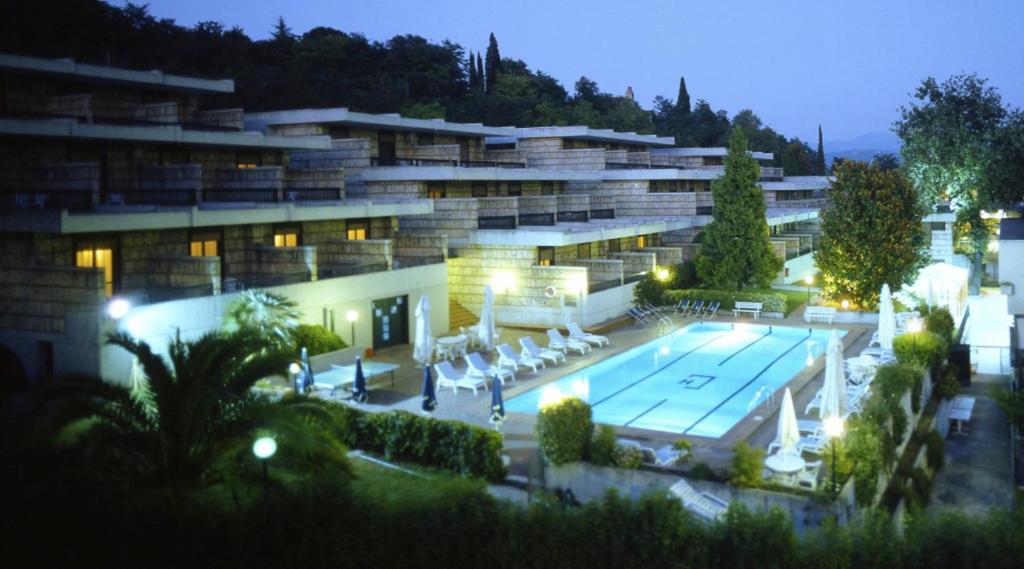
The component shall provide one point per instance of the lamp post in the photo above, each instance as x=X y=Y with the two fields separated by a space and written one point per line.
x=352 y=316
x=264 y=448
x=834 y=429
x=809 y=280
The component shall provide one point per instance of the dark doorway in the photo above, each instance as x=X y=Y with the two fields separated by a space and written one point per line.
x=386 y=155
x=390 y=321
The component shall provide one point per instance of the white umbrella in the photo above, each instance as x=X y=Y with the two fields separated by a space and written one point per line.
x=788 y=433
x=485 y=329
x=886 y=319
x=423 y=349
x=929 y=298
x=833 y=393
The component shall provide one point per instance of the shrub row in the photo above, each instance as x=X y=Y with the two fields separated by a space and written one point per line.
x=398 y=435
x=773 y=302
x=564 y=431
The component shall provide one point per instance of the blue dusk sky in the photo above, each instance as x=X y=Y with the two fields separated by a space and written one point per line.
x=848 y=64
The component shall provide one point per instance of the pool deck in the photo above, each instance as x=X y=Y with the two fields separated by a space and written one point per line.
x=758 y=428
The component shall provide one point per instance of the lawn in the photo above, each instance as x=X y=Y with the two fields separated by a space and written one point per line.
x=388 y=487
x=794 y=298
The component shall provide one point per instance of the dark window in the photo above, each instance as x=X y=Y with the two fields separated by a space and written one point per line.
x=514 y=189
x=436 y=191
x=497 y=222
x=614 y=246
x=536 y=219
x=705 y=210
x=426 y=139
x=938 y=226
x=547 y=188
x=386 y=154
x=479 y=190
x=602 y=214
x=248 y=159
x=338 y=132
x=545 y=256
x=583 y=251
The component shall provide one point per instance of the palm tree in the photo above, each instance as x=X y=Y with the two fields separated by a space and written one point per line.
x=191 y=423
x=272 y=315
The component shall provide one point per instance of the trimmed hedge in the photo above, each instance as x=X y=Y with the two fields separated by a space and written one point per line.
x=399 y=435
x=564 y=430
x=747 y=466
x=925 y=349
x=773 y=302
x=894 y=380
x=316 y=339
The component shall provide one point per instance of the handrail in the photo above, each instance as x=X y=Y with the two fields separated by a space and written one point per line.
x=769 y=397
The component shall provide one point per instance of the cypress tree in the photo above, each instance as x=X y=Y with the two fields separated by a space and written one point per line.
x=683 y=100
x=480 y=79
x=472 y=73
x=493 y=63
x=821 y=154
x=736 y=250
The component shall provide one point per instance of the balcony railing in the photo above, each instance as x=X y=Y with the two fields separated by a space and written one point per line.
x=444 y=162
x=635 y=277
x=490 y=164
x=156 y=294
x=497 y=222
x=417 y=261
x=238 y=283
x=771 y=174
x=536 y=219
x=603 y=285
x=336 y=271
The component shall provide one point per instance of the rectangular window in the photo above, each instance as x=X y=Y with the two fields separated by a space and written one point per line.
x=545 y=256
x=98 y=254
x=204 y=244
x=547 y=188
x=583 y=251
x=248 y=159
x=426 y=139
x=641 y=241
x=286 y=236
x=938 y=226
x=338 y=132
x=358 y=230
x=479 y=189
x=614 y=246
x=705 y=210
x=436 y=191
x=514 y=189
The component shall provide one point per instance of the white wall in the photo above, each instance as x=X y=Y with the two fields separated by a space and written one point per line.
x=799 y=267
x=1011 y=270
x=158 y=323
x=589 y=309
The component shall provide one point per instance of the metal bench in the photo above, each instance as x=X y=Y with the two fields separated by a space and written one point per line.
x=820 y=314
x=753 y=308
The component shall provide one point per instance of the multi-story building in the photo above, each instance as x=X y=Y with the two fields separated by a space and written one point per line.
x=560 y=221
x=120 y=185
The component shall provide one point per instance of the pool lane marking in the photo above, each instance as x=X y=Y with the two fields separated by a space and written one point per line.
x=648 y=376
x=737 y=352
x=745 y=385
x=627 y=423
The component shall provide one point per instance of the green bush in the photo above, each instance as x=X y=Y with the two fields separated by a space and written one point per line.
x=602 y=448
x=926 y=349
x=683 y=276
x=936 y=450
x=747 y=466
x=685 y=449
x=649 y=290
x=702 y=471
x=628 y=457
x=922 y=485
x=398 y=435
x=893 y=380
x=1012 y=403
x=316 y=339
x=773 y=302
x=947 y=386
x=864 y=444
x=940 y=321
x=564 y=430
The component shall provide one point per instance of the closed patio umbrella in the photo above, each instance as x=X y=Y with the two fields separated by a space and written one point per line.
x=306 y=377
x=788 y=433
x=423 y=348
x=833 y=394
x=359 y=392
x=497 y=403
x=886 y=319
x=485 y=328
x=429 y=397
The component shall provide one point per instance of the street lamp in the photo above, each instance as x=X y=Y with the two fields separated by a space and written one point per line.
x=352 y=316
x=834 y=429
x=809 y=280
x=264 y=448
x=845 y=304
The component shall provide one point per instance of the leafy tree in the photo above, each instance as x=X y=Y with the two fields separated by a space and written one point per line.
x=871 y=234
x=683 y=100
x=193 y=420
x=736 y=251
x=886 y=161
x=493 y=64
x=820 y=170
x=268 y=314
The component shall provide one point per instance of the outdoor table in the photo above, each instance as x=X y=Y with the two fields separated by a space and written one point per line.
x=962 y=402
x=452 y=344
x=959 y=415
x=345 y=376
x=786 y=464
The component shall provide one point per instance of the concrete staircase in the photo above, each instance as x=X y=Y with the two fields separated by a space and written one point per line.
x=458 y=315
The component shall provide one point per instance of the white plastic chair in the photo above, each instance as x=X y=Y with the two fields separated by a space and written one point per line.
x=508 y=357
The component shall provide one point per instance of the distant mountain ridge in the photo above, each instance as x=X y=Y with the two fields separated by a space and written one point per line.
x=863 y=147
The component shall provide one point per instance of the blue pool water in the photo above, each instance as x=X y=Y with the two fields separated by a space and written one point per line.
x=700 y=380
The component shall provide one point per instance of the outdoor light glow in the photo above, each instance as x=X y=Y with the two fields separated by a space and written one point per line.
x=662 y=275
x=352 y=316
x=118 y=307
x=581 y=388
x=503 y=282
x=741 y=327
x=264 y=447
x=665 y=350
x=294 y=368
x=578 y=284
x=845 y=304
x=810 y=359
x=914 y=326
x=833 y=426
x=809 y=279
x=551 y=395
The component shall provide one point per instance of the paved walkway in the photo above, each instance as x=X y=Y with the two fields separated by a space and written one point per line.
x=977 y=474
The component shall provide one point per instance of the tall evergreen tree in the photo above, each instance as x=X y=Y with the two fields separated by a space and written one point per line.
x=736 y=250
x=481 y=79
x=493 y=63
x=471 y=64
x=282 y=34
x=821 y=154
x=683 y=100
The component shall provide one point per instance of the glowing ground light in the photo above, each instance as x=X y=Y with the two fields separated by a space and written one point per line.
x=294 y=368
x=665 y=350
x=810 y=359
x=845 y=304
x=662 y=274
x=551 y=395
x=264 y=447
x=118 y=307
x=581 y=388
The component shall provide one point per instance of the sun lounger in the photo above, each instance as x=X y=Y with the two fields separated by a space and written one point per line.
x=479 y=368
x=712 y=309
x=703 y=504
x=696 y=308
x=556 y=341
x=508 y=357
x=448 y=377
x=683 y=306
x=530 y=348
x=641 y=317
x=577 y=333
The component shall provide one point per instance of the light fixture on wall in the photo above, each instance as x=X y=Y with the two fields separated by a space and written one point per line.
x=118 y=307
x=503 y=282
x=352 y=316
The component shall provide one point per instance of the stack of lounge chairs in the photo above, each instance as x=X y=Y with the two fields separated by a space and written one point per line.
x=697 y=308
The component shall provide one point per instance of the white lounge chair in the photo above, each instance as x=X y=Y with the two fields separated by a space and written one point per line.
x=664 y=456
x=706 y=505
x=479 y=368
x=508 y=357
x=577 y=333
x=556 y=341
x=531 y=349
x=808 y=477
x=448 y=377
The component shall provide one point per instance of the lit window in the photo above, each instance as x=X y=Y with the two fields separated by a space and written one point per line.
x=641 y=241
x=358 y=230
x=436 y=191
x=204 y=245
x=286 y=237
x=545 y=256
x=97 y=255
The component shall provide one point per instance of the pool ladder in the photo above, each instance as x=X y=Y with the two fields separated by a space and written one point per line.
x=767 y=393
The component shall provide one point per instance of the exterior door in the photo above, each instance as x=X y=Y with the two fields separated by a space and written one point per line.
x=390 y=321
x=386 y=154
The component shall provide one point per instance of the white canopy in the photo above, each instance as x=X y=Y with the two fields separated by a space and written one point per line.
x=423 y=348
x=485 y=329
x=788 y=433
x=886 y=319
x=833 y=394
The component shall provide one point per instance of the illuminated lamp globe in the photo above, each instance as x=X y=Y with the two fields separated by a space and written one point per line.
x=352 y=316
x=264 y=447
x=914 y=326
x=833 y=426
x=662 y=275
x=118 y=307
x=294 y=368
x=845 y=304
x=809 y=280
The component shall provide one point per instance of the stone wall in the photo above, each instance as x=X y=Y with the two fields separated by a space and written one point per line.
x=448 y=152
x=38 y=299
x=498 y=207
x=547 y=154
x=665 y=256
x=601 y=270
x=224 y=118
x=397 y=190
x=452 y=217
x=139 y=248
x=412 y=250
x=201 y=274
x=315 y=183
x=634 y=262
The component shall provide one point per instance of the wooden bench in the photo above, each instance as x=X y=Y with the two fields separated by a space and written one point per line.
x=820 y=314
x=748 y=308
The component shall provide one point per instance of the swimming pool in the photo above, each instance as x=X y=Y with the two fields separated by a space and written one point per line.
x=700 y=380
